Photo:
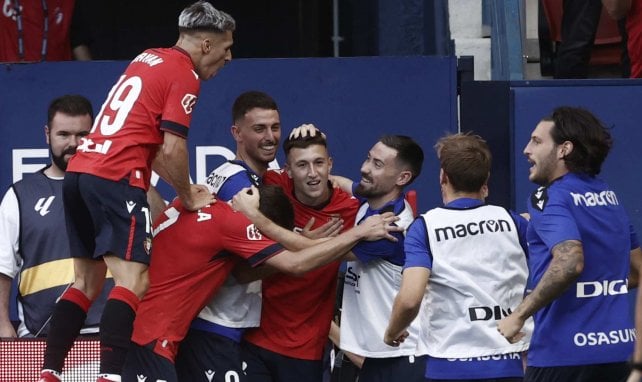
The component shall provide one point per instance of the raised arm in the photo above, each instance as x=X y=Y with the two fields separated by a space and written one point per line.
x=565 y=267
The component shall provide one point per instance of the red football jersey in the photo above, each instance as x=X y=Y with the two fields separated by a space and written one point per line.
x=157 y=92
x=55 y=43
x=297 y=311
x=193 y=253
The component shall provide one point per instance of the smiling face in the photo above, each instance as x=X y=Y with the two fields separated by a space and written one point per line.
x=545 y=156
x=215 y=53
x=257 y=136
x=63 y=136
x=309 y=169
x=381 y=177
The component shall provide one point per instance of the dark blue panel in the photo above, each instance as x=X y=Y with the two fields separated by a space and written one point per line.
x=354 y=100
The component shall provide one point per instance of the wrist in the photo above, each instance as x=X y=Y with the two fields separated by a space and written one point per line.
x=636 y=365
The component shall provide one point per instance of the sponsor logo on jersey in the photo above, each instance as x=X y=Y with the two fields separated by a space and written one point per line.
x=253 y=233
x=43 y=204
x=87 y=145
x=539 y=198
x=188 y=102
x=593 y=199
x=487 y=313
x=351 y=278
x=216 y=181
x=495 y=357
x=130 y=205
x=611 y=337
x=148 y=58
x=473 y=228
x=587 y=289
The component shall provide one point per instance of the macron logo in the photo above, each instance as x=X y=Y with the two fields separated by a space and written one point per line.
x=592 y=199
x=141 y=378
x=42 y=206
x=209 y=374
x=130 y=206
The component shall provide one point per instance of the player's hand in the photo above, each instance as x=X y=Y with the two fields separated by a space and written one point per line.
x=305 y=130
x=510 y=327
x=395 y=341
x=635 y=376
x=329 y=229
x=377 y=227
x=199 y=197
x=246 y=201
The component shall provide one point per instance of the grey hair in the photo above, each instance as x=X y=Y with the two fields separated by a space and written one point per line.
x=203 y=16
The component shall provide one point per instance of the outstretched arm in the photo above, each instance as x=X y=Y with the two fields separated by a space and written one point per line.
x=565 y=267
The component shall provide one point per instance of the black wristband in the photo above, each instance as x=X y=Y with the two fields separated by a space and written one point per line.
x=636 y=365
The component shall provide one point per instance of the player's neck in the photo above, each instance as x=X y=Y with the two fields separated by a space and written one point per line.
x=258 y=167
x=54 y=172
x=378 y=202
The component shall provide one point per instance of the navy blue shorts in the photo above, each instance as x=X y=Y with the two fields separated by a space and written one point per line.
x=507 y=379
x=605 y=372
x=267 y=366
x=104 y=216
x=407 y=368
x=209 y=357
x=142 y=364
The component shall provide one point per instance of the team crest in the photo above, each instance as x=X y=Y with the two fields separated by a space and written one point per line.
x=539 y=198
x=253 y=233
x=188 y=102
x=147 y=245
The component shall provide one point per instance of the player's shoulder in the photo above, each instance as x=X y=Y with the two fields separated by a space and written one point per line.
x=276 y=176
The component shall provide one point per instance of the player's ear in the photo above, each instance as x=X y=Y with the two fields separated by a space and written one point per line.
x=47 y=132
x=235 y=132
x=288 y=170
x=329 y=164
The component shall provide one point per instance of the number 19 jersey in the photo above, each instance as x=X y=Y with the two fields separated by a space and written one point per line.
x=156 y=93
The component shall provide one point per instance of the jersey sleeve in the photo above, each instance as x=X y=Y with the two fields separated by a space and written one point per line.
x=276 y=177
x=522 y=227
x=554 y=224
x=9 y=232
x=180 y=100
x=233 y=185
x=392 y=251
x=416 y=246
x=243 y=239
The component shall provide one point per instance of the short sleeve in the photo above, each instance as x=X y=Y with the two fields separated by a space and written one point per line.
x=416 y=246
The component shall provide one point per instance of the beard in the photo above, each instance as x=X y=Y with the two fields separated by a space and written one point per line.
x=365 y=192
x=59 y=160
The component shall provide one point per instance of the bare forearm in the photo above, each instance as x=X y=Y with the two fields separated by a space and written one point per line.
x=171 y=164
x=290 y=240
x=401 y=317
x=567 y=264
x=5 y=291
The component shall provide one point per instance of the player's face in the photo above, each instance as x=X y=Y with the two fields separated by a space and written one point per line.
x=544 y=155
x=257 y=137
x=217 y=52
x=309 y=169
x=379 y=172
x=63 y=136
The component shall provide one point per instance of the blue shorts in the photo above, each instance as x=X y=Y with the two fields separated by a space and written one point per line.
x=209 y=357
x=267 y=366
x=406 y=368
x=605 y=372
x=143 y=364
x=104 y=217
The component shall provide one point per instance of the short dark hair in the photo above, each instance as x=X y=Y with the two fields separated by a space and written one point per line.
x=591 y=139
x=304 y=142
x=250 y=100
x=71 y=104
x=276 y=206
x=409 y=153
x=466 y=159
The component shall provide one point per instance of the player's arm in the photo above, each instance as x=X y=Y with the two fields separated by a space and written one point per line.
x=634 y=268
x=299 y=262
x=565 y=267
x=341 y=182
x=335 y=337
x=9 y=232
x=172 y=164
x=156 y=202
x=6 y=327
x=406 y=305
